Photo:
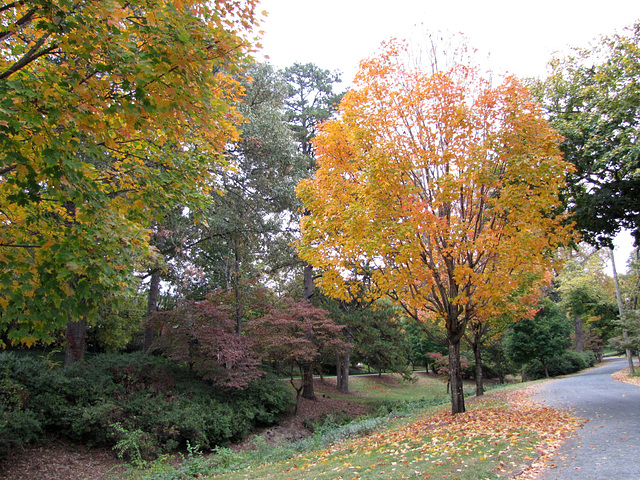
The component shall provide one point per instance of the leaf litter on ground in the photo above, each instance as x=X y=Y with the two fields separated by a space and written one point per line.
x=503 y=434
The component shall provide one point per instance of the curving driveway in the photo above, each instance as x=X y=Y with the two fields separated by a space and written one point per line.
x=608 y=445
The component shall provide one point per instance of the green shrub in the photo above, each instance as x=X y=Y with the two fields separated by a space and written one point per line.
x=564 y=364
x=589 y=357
x=127 y=400
x=19 y=427
x=19 y=422
x=135 y=446
x=576 y=359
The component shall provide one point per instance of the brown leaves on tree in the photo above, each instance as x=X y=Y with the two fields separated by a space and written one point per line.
x=202 y=335
x=295 y=332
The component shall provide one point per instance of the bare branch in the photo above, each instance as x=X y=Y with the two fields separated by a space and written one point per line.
x=26 y=18
x=29 y=57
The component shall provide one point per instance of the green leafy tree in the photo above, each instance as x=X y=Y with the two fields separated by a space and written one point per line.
x=496 y=359
x=629 y=322
x=422 y=344
x=539 y=338
x=593 y=99
x=311 y=101
x=379 y=339
x=250 y=218
x=587 y=293
x=109 y=112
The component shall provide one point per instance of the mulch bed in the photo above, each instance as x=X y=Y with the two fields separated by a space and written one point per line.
x=60 y=460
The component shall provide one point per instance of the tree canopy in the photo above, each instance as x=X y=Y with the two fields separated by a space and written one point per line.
x=108 y=112
x=593 y=99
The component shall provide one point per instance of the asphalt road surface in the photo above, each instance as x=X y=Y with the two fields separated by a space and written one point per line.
x=608 y=445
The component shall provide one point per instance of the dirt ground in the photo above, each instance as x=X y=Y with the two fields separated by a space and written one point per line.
x=60 y=460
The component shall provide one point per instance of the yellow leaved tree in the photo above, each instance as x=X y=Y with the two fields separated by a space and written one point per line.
x=440 y=189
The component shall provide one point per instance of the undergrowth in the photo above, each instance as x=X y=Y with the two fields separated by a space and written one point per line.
x=141 y=405
x=331 y=430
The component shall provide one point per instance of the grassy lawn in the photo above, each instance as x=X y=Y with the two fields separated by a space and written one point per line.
x=393 y=388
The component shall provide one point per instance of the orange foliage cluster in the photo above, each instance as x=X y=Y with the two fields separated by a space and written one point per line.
x=443 y=186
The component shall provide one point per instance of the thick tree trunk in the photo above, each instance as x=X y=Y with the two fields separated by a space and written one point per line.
x=308 y=281
x=308 y=390
x=478 y=370
x=342 y=371
x=455 y=372
x=152 y=307
x=625 y=333
x=76 y=340
x=579 y=333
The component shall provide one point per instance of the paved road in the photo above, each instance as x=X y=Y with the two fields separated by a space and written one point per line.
x=608 y=445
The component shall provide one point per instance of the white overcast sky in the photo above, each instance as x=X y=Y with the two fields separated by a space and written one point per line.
x=518 y=37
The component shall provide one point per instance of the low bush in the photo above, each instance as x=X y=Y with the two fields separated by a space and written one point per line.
x=564 y=364
x=589 y=357
x=146 y=405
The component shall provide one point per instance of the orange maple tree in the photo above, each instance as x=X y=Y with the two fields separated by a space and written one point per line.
x=441 y=188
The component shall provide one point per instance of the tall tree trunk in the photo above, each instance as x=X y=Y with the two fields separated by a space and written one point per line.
x=544 y=364
x=346 y=361
x=579 y=332
x=625 y=333
x=308 y=281
x=338 y=370
x=478 y=368
x=455 y=372
x=236 y=286
x=343 y=361
x=76 y=340
x=152 y=307
x=308 y=390
x=342 y=364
